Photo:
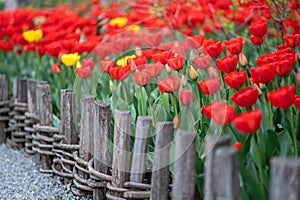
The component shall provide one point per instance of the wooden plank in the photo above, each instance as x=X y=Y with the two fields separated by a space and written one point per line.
x=38 y=111
x=212 y=142
x=22 y=90
x=121 y=154
x=45 y=116
x=31 y=96
x=226 y=180
x=142 y=134
x=184 y=166
x=3 y=87
x=160 y=171
x=285 y=179
x=69 y=116
x=69 y=121
x=102 y=157
x=86 y=148
x=3 y=97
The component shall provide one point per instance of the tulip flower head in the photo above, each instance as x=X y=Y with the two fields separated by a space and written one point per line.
x=33 y=35
x=70 y=59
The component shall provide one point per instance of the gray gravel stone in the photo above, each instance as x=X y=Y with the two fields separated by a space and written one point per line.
x=20 y=179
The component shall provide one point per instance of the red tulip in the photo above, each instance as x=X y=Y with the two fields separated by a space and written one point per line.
x=219 y=112
x=86 y=68
x=119 y=73
x=256 y=40
x=214 y=49
x=235 y=45
x=154 y=39
x=284 y=67
x=176 y=63
x=169 y=84
x=248 y=122
x=154 y=69
x=235 y=79
x=292 y=40
x=262 y=74
x=202 y=62
x=56 y=68
x=237 y=146
x=176 y=121
x=185 y=97
x=210 y=85
x=227 y=64
x=106 y=65
x=246 y=97
x=297 y=102
x=162 y=57
x=259 y=29
x=137 y=63
x=142 y=77
x=283 y=97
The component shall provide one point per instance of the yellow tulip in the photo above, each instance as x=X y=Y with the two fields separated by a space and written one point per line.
x=33 y=35
x=133 y=27
x=123 y=61
x=118 y=21
x=70 y=59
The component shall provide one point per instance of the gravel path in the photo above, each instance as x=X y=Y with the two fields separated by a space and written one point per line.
x=20 y=179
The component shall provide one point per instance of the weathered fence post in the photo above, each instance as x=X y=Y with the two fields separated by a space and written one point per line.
x=285 y=179
x=184 y=166
x=86 y=147
x=3 y=107
x=45 y=115
x=31 y=115
x=35 y=139
x=226 y=180
x=220 y=158
x=19 y=108
x=142 y=134
x=102 y=158
x=69 y=121
x=160 y=171
x=121 y=155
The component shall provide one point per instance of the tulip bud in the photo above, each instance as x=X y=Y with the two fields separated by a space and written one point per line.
x=56 y=68
x=168 y=69
x=193 y=73
x=238 y=146
x=176 y=122
x=138 y=51
x=183 y=80
x=298 y=77
x=262 y=86
x=112 y=87
x=243 y=59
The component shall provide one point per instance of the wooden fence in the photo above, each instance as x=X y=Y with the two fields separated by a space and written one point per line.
x=108 y=169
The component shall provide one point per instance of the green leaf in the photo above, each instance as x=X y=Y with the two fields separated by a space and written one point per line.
x=285 y=143
x=56 y=121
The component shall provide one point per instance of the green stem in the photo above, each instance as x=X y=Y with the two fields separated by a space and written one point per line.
x=142 y=102
x=270 y=113
x=149 y=102
x=293 y=131
x=174 y=103
x=260 y=170
x=286 y=82
x=124 y=92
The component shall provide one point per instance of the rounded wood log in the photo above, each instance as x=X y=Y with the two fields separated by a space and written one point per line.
x=226 y=181
x=285 y=179
x=102 y=157
x=212 y=142
x=3 y=97
x=160 y=171
x=142 y=134
x=121 y=154
x=184 y=166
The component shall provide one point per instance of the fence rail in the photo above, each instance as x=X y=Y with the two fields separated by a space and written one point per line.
x=106 y=168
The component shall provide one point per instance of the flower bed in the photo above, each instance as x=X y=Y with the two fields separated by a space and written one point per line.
x=211 y=68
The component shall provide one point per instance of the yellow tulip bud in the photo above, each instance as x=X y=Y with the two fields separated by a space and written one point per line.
x=193 y=73
x=33 y=35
